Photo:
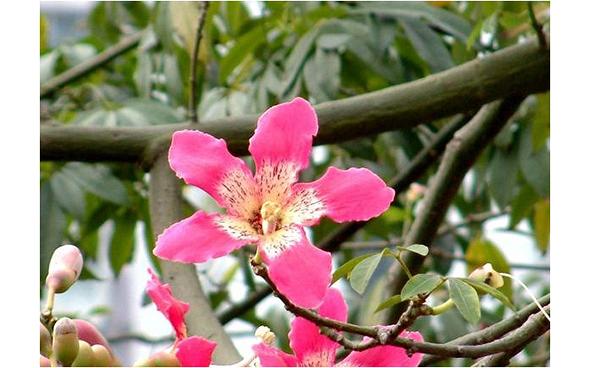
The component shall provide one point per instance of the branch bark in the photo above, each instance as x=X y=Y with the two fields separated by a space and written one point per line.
x=459 y=156
x=519 y=69
x=127 y=43
x=203 y=6
x=165 y=209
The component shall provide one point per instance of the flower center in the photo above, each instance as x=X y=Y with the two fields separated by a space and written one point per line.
x=270 y=216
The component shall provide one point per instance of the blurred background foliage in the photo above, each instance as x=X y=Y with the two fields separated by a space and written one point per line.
x=256 y=55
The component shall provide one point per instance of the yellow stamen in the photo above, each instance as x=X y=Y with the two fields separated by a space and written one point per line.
x=270 y=213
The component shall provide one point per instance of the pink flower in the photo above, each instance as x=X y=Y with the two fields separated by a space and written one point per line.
x=191 y=351
x=269 y=208
x=312 y=349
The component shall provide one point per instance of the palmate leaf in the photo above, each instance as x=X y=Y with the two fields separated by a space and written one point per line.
x=388 y=303
x=485 y=288
x=347 y=267
x=363 y=271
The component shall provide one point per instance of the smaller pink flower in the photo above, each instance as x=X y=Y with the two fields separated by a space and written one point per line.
x=191 y=351
x=312 y=349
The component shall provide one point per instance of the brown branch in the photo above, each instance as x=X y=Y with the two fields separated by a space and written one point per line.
x=522 y=68
x=535 y=325
x=459 y=156
x=537 y=27
x=203 y=6
x=125 y=44
x=493 y=332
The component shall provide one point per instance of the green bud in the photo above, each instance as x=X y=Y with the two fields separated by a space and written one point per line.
x=102 y=357
x=65 y=341
x=44 y=340
x=488 y=275
x=160 y=359
x=64 y=268
x=85 y=357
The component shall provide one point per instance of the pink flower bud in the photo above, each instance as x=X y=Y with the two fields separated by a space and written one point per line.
x=160 y=359
x=44 y=340
x=102 y=357
x=65 y=341
x=89 y=333
x=64 y=268
x=44 y=362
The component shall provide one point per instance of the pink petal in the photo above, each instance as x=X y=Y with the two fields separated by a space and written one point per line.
x=309 y=345
x=385 y=355
x=346 y=195
x=270 y=356
x=195 y=351
x=173 y=309
x=284 y=134
x=300 y=271
x=204 y=161
x=202 y=237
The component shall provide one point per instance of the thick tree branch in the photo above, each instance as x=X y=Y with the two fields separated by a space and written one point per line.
x=460 y=154
x=203 y=6
x=165 y=209
x=493 y=332
x=125 y=44
x=519 y=69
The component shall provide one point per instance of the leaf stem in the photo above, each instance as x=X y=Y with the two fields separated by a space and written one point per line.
x=403 y=265
x=532 y=296
x=443 y=307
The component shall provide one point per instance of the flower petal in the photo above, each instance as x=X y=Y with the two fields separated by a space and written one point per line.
x=195 y=351
x=270 y=356
x=300 y=271
x=343 y=195
x=202 y=237
x=385 y=355
x=173 y=309
x=311 y=347
x=283 y=139
x=204 y=161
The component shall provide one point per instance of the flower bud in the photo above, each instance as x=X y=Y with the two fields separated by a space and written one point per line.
x=265 y=334
x=65 y=341
x=44 y=340
x=488 y=275
x=415 y=191
x=89 y=333
x=85 y=357
x=64 y=268
x=44 y=362
x=102 y=357
x=160 y=359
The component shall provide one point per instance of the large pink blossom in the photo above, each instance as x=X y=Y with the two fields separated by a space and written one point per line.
x=193 y=351
x=312 y=349
x=269 y=208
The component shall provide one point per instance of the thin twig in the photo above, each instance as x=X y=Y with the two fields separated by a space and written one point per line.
x=127 y=43
x=537 y=26
x=203 y=6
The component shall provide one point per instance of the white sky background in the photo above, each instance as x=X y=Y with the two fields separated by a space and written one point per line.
x=123 y=296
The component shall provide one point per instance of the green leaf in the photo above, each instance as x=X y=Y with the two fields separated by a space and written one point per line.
x=502 y=178
x=541 y=122
x=363 y=271
x=243 y=47
x=522 y=205
x=347 y=267
x=428 y=45
x=542 y=224
x=480 y=252
x=388 y=303
x=297 y=58
x=53 y=222
x=331 y=41
x=535 y=165
x=416 y=248
x=122 y=242
x=420 y=284
x=68 y=194
x=440 y=18
x=98 y=180
x=485 y=288
x=465 y=298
